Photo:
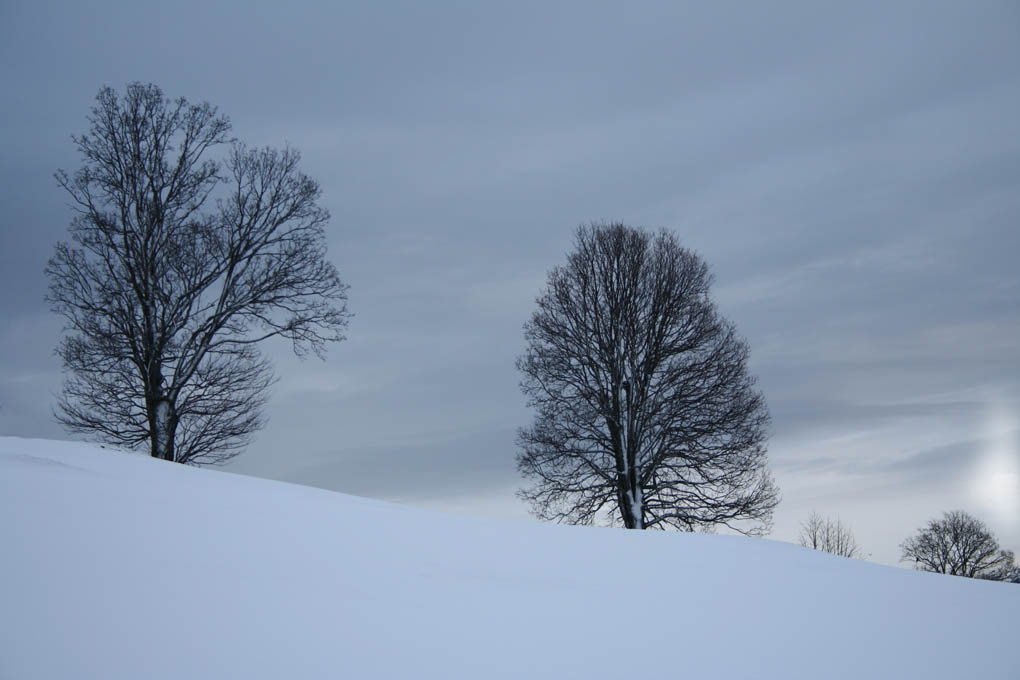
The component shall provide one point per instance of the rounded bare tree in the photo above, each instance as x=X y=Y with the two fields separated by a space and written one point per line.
x=962 y=545
x=646 y=414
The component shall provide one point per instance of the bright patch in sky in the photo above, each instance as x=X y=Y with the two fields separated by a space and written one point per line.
x=996 y=482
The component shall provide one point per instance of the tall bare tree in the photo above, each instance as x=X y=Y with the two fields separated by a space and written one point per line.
x=962 y=545
x=645 y=412
x=181 y=263
x=829 y=535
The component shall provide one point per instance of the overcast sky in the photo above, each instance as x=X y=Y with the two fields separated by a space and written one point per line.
x=850 y=171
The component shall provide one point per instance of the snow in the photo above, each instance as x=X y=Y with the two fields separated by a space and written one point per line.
x=121 y=566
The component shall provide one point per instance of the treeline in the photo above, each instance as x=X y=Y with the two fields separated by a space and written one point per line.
x=957 y=544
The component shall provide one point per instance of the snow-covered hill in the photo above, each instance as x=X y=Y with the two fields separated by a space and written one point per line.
x=120 y=566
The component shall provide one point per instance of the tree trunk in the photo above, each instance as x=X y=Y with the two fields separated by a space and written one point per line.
x=163 y=422
x=624 y=498
x=630 y=502
x=162 y=418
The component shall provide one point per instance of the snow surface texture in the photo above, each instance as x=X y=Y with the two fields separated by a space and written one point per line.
x=121 y=566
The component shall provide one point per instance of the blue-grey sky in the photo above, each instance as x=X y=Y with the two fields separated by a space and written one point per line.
x=850 y=171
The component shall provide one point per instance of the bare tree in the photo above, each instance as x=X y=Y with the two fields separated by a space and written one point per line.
x=645 y=412
x=959 y=544
x=1011 y=574
x=180 y=265
x=829 y=535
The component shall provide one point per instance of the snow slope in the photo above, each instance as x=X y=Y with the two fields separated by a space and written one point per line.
x=120 y=566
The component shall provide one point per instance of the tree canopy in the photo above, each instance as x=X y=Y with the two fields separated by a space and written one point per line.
x=181 y=262
x=959 y=544
x=645 y=413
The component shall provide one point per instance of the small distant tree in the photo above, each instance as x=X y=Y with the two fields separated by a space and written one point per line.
x=829 y=535
x=646 y=414
x=959 y=544
x=181 y=263
x=1013 y=575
